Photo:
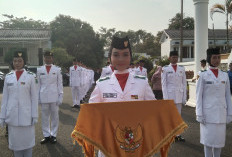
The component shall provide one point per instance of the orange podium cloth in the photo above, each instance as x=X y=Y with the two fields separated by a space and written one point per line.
x=128 y=129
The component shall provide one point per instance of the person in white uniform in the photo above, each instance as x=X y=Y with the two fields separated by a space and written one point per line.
x=173 y=80
x=107 y=71
x=50 y=89
x=75 y=72
x=141 y=70
x=121 y=85
x=19 y=108
x=213 y=105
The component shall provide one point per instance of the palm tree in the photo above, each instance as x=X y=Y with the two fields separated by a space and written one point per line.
x=224 y=9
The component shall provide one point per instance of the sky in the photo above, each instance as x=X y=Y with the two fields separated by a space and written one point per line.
x=149 y=15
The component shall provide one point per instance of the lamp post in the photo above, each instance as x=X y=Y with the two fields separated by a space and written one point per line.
x=181 y=31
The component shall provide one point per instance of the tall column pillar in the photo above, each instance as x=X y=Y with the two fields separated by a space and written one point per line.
x=200 y=31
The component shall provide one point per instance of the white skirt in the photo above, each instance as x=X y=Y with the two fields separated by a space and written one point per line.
x=213 y=135
x=21 y=137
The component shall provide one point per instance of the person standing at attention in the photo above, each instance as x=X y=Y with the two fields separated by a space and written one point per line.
x=213 y=105
x=19 y=109
x=75 y=83
x=121 y=85
x=50 y=88
x=174 y=82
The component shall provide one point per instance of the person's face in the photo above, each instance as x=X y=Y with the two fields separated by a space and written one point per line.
x=141 y=64
x=230 y=66
x=75 y=63
x=132 y=66
x=120 y=59
x=173 y=59
x=215 y=60
x=18 y=63
x=48 y=59
x=203 y=65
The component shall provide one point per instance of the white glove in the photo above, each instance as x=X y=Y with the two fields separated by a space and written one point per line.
x=2 y=123
x=229 y=119
x=60 y=99
x=201 y=119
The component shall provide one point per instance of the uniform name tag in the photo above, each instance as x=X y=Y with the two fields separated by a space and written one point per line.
x=134 y=97
x=109 y=95
x=42 y=73
x=209 y=82
x=170 y=72
x=53 y=73
x=107 y=73
x=22 y=83
x=10 y=84
x=223 y=82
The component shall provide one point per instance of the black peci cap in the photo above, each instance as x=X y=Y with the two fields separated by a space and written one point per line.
x=18 y=53
x=48 y=53
x=120 y=43
x=173 y=53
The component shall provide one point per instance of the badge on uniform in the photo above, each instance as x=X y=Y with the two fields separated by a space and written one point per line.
x=209 y=82
x=22 y=83
x=134 y=97
x=10 y=84
x=223 y=82
x=170 y=72
x=53 y=73
x=109 y=95
x=42 y=73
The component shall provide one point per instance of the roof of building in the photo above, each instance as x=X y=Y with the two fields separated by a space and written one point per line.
x=189 y=34
x=25 y=34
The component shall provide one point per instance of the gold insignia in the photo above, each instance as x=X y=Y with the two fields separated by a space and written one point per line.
x=129 y=139
x=134 y=97
x=22 y=83
x=125 y=43
x=20 y=54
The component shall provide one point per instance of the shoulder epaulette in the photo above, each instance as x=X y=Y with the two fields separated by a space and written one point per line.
x=140 y=77
x=10 y=73
x=203 y=70
x=104 y=78
x=31 y=73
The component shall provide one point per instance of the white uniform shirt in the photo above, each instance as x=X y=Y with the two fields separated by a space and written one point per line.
x=139 y=72
x=174 y=84
x=108 y=90
x=106 y=71
x=132 y=70
x=20 y=99
x=50 y=85
x=213 y=97
x=75 y=76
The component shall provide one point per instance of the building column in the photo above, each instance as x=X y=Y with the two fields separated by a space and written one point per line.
x=200 y=31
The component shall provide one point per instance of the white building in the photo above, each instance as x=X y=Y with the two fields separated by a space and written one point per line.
x=34 y=41
x=170 y=40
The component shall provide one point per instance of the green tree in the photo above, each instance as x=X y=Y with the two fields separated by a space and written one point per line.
x=22 y=22
x=225 y=9
x=141 y=41
x=188 y=22
x=62 y=58
x=79 y=40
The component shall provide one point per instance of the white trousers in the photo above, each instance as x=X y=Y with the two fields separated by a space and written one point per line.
x=179 y=107
x=76 y=95
x=50 y=119
x=212 y=152
x=23 y=153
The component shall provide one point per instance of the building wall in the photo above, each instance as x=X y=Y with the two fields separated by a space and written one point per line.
x=165 y=47
x=32 y=50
